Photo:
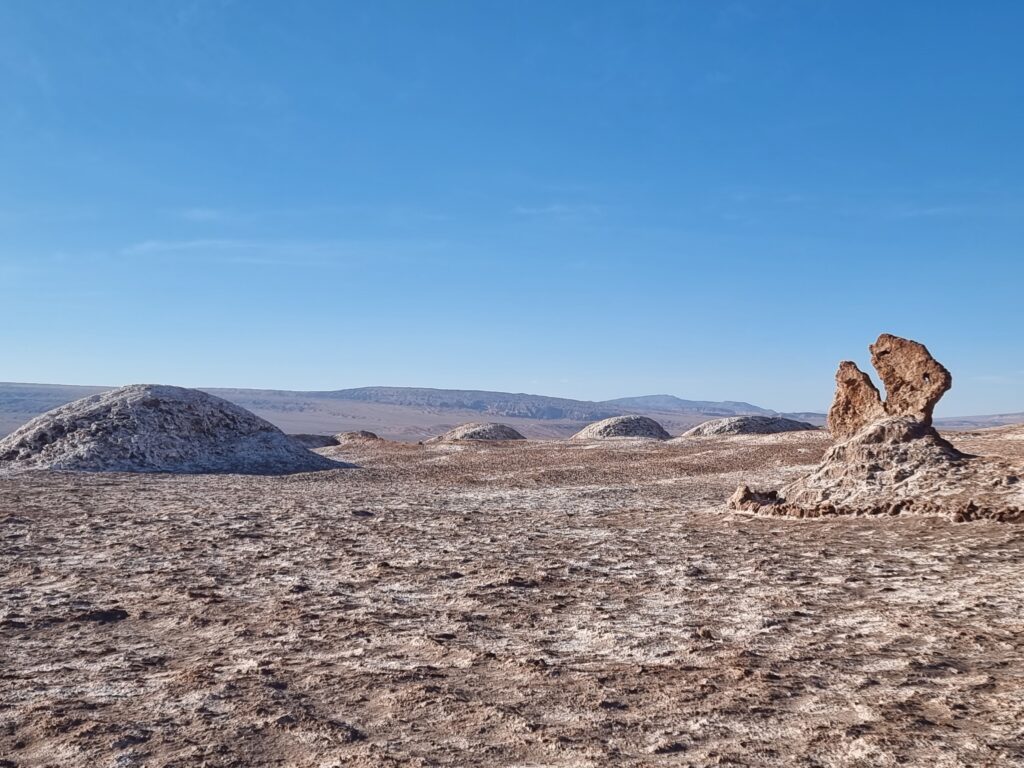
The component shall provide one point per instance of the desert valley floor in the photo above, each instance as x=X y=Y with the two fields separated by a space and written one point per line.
x=518 y=604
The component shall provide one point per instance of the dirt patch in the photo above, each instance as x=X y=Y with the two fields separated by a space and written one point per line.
x=550 y=604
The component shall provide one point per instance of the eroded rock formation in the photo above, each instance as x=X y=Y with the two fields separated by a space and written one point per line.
x=888 y=458
x=914 y=380
x=857 y=401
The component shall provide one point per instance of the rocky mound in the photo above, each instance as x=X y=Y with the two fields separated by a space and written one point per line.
x=888 y=458
x=151 y=428
x=315 y=441
x=478 y=431
x=747 y=425
x=358 y=435
x=623 y=426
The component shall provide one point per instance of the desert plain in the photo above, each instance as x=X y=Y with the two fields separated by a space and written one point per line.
x=528 y=603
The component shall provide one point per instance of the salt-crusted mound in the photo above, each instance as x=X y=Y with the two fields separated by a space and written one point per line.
x=315 y=441
x=747 y=425
x=357 y=436
x=478 y=431
x=623 y=426
x=889 y=459
x=152 y=428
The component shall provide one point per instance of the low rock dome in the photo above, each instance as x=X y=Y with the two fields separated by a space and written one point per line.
x=748 y=425
x=156 y=428
x=623 y=426
x=478 y=431
x=356 y=436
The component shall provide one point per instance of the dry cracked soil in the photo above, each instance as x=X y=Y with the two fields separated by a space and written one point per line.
x=521 y=604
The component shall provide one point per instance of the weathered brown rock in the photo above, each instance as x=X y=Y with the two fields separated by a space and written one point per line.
x=857 y=401
x=750 y=501
x=888 y=459
x=896 y=465
x=914 y=380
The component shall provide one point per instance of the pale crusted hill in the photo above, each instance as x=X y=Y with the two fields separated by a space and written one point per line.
x=747 y=425
x=623 y=426
x=357 y=435
x=478 y=431
x=154 y=428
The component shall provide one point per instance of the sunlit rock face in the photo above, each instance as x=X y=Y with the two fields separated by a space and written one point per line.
x=888 y=459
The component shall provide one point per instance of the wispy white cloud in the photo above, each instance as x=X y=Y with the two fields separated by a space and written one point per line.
x=765 y=196
x=978 y=209
x=177 y=246
x=246 y=252
x=389 y=215
x=203 y=214
x=287 y=252
x=929 y=211
x=559 y=210
x=997 y=378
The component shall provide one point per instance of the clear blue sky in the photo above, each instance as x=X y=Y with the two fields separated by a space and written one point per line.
x=718 y=200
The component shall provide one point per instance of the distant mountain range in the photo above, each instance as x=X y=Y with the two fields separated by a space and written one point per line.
x=414 y=413
x=671 y=403
x=404 y=412
x=537 y=406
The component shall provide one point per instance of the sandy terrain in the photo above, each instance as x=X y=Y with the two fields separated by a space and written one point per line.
x=539 y=604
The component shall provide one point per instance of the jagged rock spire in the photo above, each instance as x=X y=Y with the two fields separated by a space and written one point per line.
x=856 y=403
x=914 y=382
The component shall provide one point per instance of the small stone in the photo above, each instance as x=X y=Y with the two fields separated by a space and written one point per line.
x=104 y=616
x=666 y=747
x=345 y=732
x=131 y=740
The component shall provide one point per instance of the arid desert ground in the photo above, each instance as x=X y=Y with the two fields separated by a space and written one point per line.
x=514 y=604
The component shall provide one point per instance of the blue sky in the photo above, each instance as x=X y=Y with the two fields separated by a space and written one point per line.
x=718 y=200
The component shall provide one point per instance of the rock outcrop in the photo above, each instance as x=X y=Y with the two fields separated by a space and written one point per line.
x=315 y=441
x=359 y=435
x=747 y=425
x=477 y=431
x=623 y=426
x=153 y=428
x=914 y=380
x=856 y=404
x=888 y=458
